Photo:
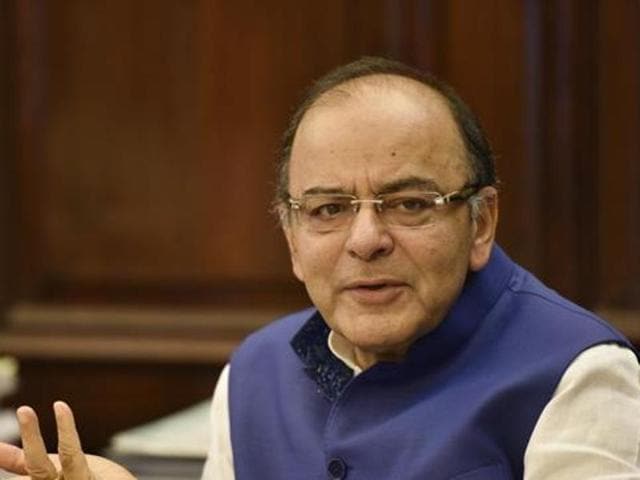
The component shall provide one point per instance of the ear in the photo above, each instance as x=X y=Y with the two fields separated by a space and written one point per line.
x=484 y=229
x=293 y=251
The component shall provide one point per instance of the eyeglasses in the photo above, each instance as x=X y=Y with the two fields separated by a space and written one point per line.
x=324 y=213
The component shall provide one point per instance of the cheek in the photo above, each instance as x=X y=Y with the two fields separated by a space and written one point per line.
x=314 y=259
x=317 y=269
x=436 y=250
x=442 y=261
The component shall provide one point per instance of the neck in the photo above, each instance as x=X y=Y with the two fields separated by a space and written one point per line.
x=366 y=359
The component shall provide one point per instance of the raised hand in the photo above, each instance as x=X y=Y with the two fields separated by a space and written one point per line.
x=32 y=461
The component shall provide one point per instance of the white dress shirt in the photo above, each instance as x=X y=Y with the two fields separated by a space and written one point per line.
x=590 y=429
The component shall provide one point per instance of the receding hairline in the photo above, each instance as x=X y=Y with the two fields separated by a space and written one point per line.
x=360 y=87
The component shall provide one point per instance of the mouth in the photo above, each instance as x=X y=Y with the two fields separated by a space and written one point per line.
x=375 y=291
x=378 y=286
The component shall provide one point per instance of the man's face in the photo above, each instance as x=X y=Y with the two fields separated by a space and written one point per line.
x=382 y=287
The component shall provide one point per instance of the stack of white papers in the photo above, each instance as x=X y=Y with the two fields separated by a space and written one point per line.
x=184 y=434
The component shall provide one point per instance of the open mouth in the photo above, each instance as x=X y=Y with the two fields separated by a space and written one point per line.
x=374 y=284
x=375 y=292
x=379 y=286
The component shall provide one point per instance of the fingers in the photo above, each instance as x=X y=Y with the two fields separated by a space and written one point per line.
x=12 y=459
x=36 y=461
x=72 y=458
x=33 y=460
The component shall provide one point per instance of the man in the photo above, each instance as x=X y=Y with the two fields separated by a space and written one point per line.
x=428 y=353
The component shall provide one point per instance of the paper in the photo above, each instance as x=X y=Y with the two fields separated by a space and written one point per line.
x=184 y=434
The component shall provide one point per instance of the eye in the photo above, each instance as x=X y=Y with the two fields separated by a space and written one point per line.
x=328 y=209
x=410 y=203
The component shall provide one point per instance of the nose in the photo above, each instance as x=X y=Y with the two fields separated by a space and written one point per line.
x=369 y=237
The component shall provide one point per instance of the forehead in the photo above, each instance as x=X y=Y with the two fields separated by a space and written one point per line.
x=372 y=134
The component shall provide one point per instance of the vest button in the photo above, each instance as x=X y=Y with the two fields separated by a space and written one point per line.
x=337 y=469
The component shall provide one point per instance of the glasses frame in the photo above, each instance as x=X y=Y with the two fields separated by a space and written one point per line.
x=461 y=195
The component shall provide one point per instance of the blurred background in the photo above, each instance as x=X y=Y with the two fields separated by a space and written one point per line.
x=137 y=146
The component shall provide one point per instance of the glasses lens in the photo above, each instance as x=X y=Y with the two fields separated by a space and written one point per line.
x=409 y=209
x=323 y=213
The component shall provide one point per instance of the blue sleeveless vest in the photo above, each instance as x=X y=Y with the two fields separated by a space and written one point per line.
x=461 y=405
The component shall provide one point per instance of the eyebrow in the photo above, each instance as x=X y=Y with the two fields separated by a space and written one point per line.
x=411 y=182
x=406 y=183
x=324 y=190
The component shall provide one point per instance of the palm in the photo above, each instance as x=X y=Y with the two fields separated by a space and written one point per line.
x=101 y=469
x=104 y=469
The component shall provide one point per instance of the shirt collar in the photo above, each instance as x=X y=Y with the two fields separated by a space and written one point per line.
x=343 y=351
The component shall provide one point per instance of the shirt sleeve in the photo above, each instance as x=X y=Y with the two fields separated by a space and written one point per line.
x=591 y=427
x=219 y=464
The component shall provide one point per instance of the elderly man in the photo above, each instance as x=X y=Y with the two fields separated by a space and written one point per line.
x=428 y=353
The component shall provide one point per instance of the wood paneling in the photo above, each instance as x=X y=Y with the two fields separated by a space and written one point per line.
x=7 y=149
x=486 y=62
x=29 y=62
x=148 y=132
x=151 y=174
x=568 y=123
x=618 y=176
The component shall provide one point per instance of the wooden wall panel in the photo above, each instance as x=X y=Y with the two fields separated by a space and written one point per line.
x=29 y=28
x=486 y=62
x=618 y=176
x=160 y=141
x=148 y=130
x=138 y=176
x=7 y=149
x=568 y=122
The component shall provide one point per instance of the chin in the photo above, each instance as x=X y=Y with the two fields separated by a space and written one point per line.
x=379 y=334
